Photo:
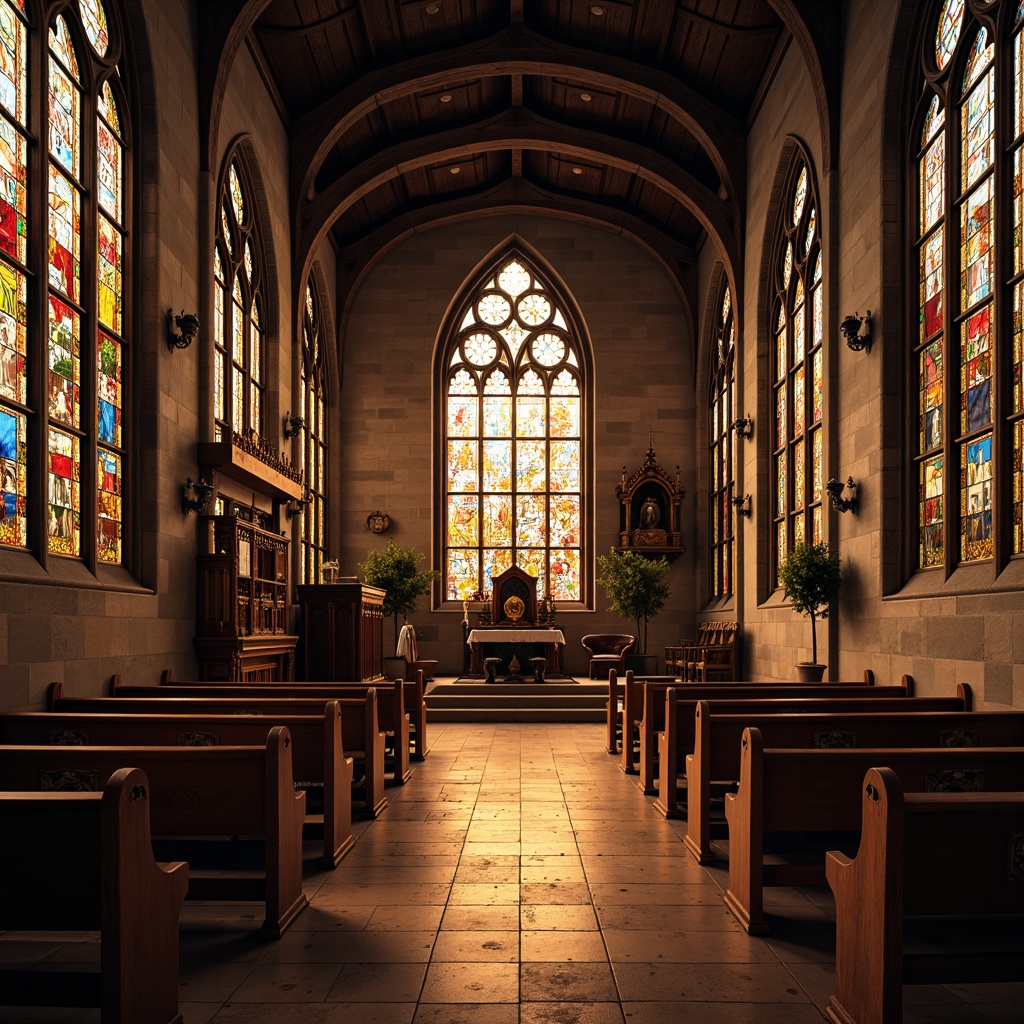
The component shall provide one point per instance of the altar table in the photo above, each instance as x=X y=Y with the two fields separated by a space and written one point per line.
x=501 y=643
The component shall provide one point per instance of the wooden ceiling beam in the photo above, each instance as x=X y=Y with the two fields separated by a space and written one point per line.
x=518 y=50
x=509 y=131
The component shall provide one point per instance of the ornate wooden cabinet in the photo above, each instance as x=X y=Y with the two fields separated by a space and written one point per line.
x=341 y=631
x=242 y=602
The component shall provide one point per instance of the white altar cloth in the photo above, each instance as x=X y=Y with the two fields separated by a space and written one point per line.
x=522 y=636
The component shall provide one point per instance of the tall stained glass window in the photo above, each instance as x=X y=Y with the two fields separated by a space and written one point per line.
x=721 y=475
x=513 y=438
x=797 y=332
x=313 y=456
x=64 y=348
x=239 y=344
x=967 y=138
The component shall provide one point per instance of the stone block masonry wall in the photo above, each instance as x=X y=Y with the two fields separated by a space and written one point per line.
x=643 y=382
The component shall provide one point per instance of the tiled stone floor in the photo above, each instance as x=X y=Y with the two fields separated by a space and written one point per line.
x=521 y=878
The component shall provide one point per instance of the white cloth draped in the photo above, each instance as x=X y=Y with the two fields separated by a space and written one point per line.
x=406 y=643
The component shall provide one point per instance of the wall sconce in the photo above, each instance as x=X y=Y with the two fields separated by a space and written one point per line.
x=293 y=425
x=181 y=329
x=744 y=427
x=742 y=505
x=834 y=489
x=857 y=331
x=203 y=493
x=296 y=506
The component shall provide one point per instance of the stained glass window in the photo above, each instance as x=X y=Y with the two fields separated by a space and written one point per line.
x=514 y=444
x=958 y=349
x=238 y=335
x=62 y=464
x=721 y=454
x=798 y=385
x=313 y=440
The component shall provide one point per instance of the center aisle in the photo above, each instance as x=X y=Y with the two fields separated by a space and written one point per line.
x=519 y=877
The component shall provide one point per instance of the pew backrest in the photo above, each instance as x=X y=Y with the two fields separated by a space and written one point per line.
x=84 y=862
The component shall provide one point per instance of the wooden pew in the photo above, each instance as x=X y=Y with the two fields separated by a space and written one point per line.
x=361 y=735
x=652 y=711
x=716 y=748
x=84 y=862
x=948 y=860
x=318 y=755
x=415 y=705
x=818 y=791
x=391 y=716
x=626 y=699
x=199 y=792
x=678 y=737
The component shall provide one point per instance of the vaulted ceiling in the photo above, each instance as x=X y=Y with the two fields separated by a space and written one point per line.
x=630 y=114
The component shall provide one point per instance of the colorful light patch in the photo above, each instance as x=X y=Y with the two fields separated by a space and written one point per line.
x=13 y=196
x=976 y=499
x=976 y=252
x=65 y=241
x=13 y=61
x=65 y=519
x=13 y=335
x=94 y=20
x=109 y=384
x=64 y=363
x=930 y=308
x=108 y=524
x=110 y=280
x=13 y=476
x=976 y=371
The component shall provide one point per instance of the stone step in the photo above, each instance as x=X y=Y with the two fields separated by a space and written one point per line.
x=517 y=702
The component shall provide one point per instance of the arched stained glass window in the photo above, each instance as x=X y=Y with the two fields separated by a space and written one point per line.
x=797 y=322
x=239 y=344
x=64 y=357
x=721 y=473
x=967 y=143
x=313 y=457
x=513 y=437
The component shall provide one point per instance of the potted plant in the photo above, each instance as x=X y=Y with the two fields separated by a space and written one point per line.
x=811 y=576
x=396 y=571
x=637 y=590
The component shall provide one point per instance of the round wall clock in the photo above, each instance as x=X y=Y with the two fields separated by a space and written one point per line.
x=378 y=522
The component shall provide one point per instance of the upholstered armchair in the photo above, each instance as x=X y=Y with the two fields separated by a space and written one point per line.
x=607 y=652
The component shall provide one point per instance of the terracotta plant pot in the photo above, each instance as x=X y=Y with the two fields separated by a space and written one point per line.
x=808 y=672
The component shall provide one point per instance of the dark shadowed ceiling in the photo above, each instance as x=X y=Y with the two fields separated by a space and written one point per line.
x=631 y=114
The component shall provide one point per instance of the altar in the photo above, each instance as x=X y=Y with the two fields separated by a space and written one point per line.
x=522 y=644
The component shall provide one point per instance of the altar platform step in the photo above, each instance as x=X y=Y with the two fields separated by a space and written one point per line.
x=517 y=702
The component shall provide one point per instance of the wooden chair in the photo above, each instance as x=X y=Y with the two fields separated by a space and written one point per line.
x=712 y=656
x=607 y=651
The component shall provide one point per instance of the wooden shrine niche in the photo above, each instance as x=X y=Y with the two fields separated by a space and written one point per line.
x=514 y=599
x=649 y=509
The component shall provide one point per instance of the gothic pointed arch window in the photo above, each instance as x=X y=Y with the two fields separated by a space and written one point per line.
x=797 y=333
x=514 y=381
x=65 y=346
x=721 y=448
x=967 y=141
x=313 y=452
x=238 y=332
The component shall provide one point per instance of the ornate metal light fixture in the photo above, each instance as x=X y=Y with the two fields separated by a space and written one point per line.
x=742 y=505
x=857 y=331
x=744 y=427
x=203 y=493
x=181 y=329
x=293 y=425
x=834 y=490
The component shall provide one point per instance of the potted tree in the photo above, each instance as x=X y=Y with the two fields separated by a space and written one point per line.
x=636 y=587
x=396 y=571
x=811 y=576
